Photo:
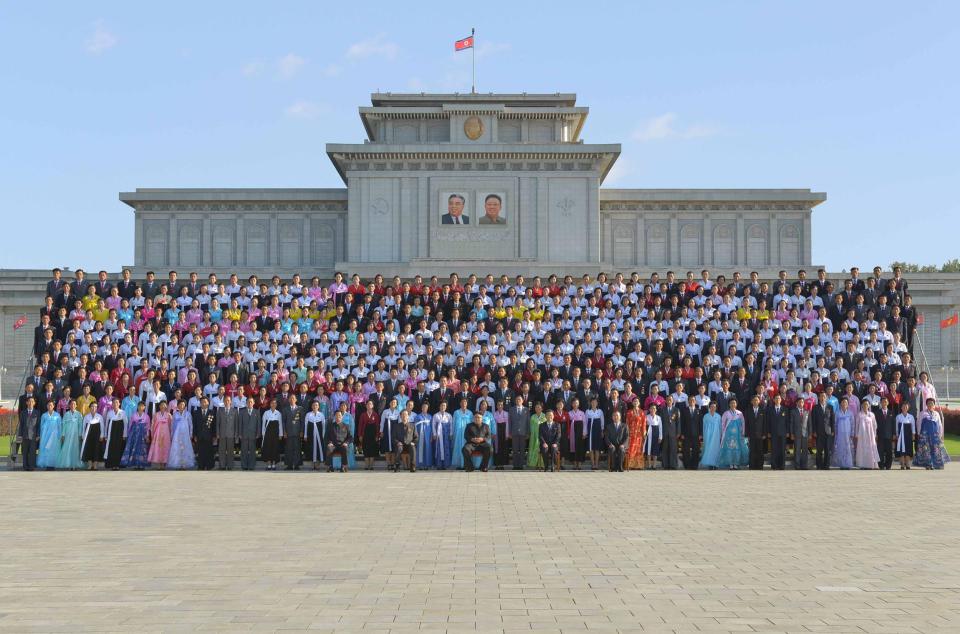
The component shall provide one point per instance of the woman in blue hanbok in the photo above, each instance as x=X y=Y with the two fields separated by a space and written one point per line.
x=733 y=446
x=129 y=404
x=710 y=457
x=137 y=447
x=388 y=417
x=931 y=454
x=181 y=447
x=69 y=456
x=461 y=418
x=423 y=423
x=843 y=437
x=442 y=437
x=51 y=425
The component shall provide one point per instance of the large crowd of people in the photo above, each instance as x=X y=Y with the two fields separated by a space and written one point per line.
x=614 y=372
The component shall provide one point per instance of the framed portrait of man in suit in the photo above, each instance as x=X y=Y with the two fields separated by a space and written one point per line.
x=493 y=206
x=454 y=208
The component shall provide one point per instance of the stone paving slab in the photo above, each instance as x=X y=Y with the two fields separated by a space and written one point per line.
x=498 y=552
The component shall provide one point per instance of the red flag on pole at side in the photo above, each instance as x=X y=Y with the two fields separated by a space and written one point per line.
x=953 y=320
x=20 y=323
x=919 y=319
x=464 y=44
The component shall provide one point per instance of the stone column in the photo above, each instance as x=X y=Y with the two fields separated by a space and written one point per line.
x=241 y=245
x=206 y=241
x=640 y=248
x=707 y=241
x=740 y=256
x=673 y=254
x=774 y=240
x=306 y=250
x=807 y=247
x=273 y=257
x=139 y=247
x=173 y=243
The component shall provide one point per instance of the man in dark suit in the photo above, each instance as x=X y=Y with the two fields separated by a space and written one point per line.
x=886 y=431
x=518 y=424
x=823 y=418
x=755 y=420
x=549 y=437
x=29 y=433
x=691 y=423
x=455 y=215
x=777 y=425
x=404 y=435
x=476 y=438
x=204 y=431
x=126 y=286
x=150 y=286
x=670 y=421
x=103 y=286
x=616 y=436
x=55 y=286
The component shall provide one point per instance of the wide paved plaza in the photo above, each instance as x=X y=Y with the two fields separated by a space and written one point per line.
x=503 y=551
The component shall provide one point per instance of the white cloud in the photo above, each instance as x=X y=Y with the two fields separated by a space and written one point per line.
x=373 y=47
x=302 y=109
x=253 y=68
x=332 y=70
x=665 y=127
x=289 y=65
x=101 y=40
x=620 y=170
x=486 y=48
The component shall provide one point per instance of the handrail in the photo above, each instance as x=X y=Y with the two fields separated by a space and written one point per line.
x=27 y=371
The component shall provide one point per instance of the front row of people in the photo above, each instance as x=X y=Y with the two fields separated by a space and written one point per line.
x=845 y=432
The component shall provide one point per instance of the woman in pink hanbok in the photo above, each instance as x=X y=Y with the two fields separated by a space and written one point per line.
x=160 y=435
x=866 y=456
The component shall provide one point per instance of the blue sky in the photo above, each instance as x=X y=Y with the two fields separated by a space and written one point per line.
x=857 y=99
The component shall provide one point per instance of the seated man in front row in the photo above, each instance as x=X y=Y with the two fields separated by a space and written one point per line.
x=338 y=442
x=617 y=436
x=405 y=437
x=550 y=443
x=476 y=437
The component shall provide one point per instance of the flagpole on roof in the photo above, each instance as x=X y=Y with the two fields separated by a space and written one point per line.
x=473 y=54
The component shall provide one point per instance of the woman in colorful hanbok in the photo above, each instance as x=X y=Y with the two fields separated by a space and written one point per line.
x=593 y=433
x=576 y=439
x=313 y=431
x=734 y=452
x=562 y=419
x=843 y=437
x=116 y=423
x=138 y=432
x=461 y=418
x=906 y=430
x=653 y=437
x=388 y=417
x=637 y=428
x=534 y=458
x=51 y=427
x=91 y=447
x=501 y=455
x=160 y=436
x=931 y=454
x=710 y=457
x=442 y=437
x=368 y=427
x=181 y=454
x=69 y=456
x=866 y=455
x=423 y=423
x=129 y=404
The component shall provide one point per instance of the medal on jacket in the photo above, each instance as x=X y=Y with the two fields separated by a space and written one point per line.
x=209 y=420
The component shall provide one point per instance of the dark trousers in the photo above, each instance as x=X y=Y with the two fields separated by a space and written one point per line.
x=29 y=450
x=691 y=452
x=519 y=446
x=410 y=449
x=616 y=458
x=756 y=453
x=338 y=449
x=248 y=454
x=824 y=447
x=469 y=448
x=778 y=452
x=885 y=448
x=551 y=457
x=668 y=452
x=205 y=453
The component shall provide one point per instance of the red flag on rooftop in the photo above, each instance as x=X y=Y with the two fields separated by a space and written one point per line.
x=953 y=320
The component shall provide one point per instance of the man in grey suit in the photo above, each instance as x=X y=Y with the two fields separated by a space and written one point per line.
x=227 y=426
x=519 y=426
x=249 y=428
x=28 y=432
